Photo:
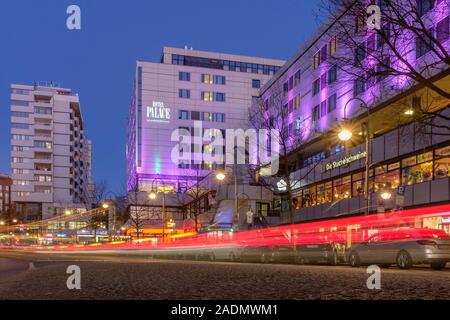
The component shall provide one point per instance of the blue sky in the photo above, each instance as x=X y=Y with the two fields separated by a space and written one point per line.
x=98 y=61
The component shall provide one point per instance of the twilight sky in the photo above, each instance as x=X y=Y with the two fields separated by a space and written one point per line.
x=98 y=61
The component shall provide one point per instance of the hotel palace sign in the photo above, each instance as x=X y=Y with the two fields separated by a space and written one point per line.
x=345 y=161
x=158 y=112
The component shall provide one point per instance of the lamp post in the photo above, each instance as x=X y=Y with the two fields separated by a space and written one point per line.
x=152 y=196
x=221 y=176
x=345 y=135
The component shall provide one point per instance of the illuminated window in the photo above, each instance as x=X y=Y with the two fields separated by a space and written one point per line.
x=297 y=101
x=442 y=163
x=342 y=188
x=207 y=78
x=332 y=47
x=316 y=60
x=207 y=96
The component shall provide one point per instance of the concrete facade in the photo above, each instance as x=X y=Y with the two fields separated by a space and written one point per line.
x=51 y=156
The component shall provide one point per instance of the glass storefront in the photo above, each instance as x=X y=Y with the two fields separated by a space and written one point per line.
x=415 y=169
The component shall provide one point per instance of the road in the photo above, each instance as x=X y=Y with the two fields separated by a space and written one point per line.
x=43 y=276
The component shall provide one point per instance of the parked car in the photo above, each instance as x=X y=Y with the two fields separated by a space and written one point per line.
x=330 y=253
x=404 y=248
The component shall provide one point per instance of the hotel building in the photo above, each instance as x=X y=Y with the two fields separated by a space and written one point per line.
x=411 y=165
x=50 y=154
x=186 y=86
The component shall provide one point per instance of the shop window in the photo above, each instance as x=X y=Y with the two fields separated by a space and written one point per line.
x=309 y=197
x=389 y=180
x=421 y=172
x=324 y=193
x=442 y=163
x=358 y=183
x=342 y=188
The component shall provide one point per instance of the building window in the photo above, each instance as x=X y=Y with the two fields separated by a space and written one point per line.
x=323 y=81
x=332 y=100
x=360 y=86
x=424 y=6
x=316 y=60
x=219 y=117
x=360 y=53
x=21 y=137
x=323 y=54
x=442 y=163
x=20 y=103
x=417 y=169
x=219 y=96
x=332 y=74
x=386 y=179
x=442 y=30
x=183 y=115
x=43 y=110
x=342 y=188
x=219 y=80
x=18 y=114
x=184 y=76
x=286 y=87
x=207 y=79
x=256 y=84
x=297 y=102
x=383 y=36
x=424 y=44
x=316 y=113
x=323 y=108
x=207 y=96
x=184 y=93
x=43 y=144
x=297 y=78
x=324 y=193
x=332 y=47
x=337 y=149
x=360 y=23
x=20 y=126
x=177 y=59
x=316 y=87
x=42 y=178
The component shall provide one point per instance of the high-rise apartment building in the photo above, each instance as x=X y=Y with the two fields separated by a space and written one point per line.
x=50 y=154
x=187 y=86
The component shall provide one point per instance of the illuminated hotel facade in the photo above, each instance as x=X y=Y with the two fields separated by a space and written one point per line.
x=187 y=86
x=413 y=167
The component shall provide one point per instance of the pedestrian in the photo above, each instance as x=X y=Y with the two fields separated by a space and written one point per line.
x=250 y=215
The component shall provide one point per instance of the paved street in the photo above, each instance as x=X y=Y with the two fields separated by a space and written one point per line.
x=138 y=278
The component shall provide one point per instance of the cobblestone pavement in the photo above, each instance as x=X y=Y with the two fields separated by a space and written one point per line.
x=126 y=278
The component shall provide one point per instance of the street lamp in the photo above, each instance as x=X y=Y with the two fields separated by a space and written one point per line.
x=2 y=223
x=14 y=221
x=152 y=195
x=68 y=213
x=105 y=206
x=220 y=176
x=346 y=135
x=386 y=195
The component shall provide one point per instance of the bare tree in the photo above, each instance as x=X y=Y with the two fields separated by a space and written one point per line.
x=274 y=114
x=140 y=211
x=410 y=47
x=98 y=195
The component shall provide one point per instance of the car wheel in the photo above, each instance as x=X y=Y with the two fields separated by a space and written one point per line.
x=354 y=259
x=334 y=260
x=404 y=260
x=438 y=265
x=385 y=266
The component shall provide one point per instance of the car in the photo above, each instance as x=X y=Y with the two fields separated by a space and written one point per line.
x=329 y=253
x=404 y=248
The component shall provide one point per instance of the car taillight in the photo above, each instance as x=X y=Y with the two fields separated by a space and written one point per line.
x=427 y=243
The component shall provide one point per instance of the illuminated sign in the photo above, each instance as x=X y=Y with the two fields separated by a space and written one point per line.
x=157 y=112
x=345 y=161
